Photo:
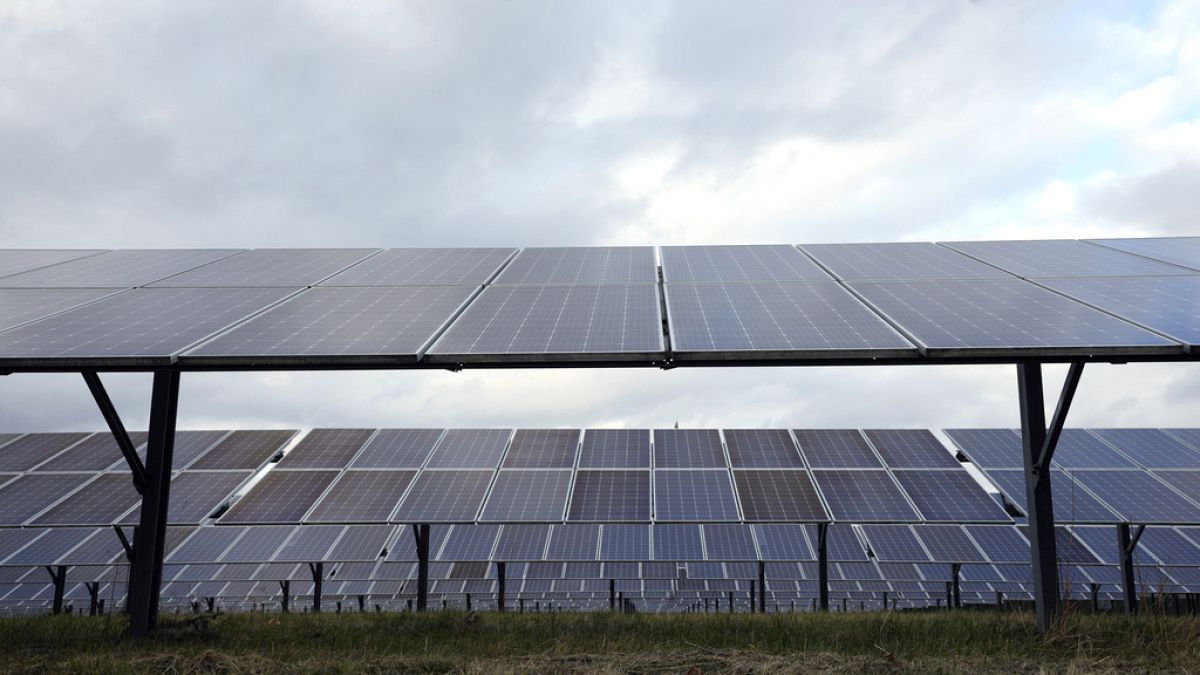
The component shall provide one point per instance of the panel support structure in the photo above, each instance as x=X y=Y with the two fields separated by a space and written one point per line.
x=956 y=595
x=1126 y=545
x=612 y=594
x=762 y=587
x=58 y=576
x=822 y=567
x=117 y=427
x=318 y=576
x=501 y=578
x=421 y=534
x=285 y=591
x=93 y=589
x=145 y=576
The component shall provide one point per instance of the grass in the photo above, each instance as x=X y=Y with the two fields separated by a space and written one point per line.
x=601 y=642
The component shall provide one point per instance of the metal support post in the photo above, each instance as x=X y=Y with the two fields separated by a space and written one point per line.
x=955 y=569
x=468 y=602
x=93 y=589
x=843 y=604
x=421 y=532
x=117 y=427
x=521 y=604
x=362 y=603
x=285 y=589
x=318 y=577
x=58 y=576
x=752 y=603
x=1126 y=545
x=999 y=600
x=1095 y=598
x=822 y=567
x=762 y=587
x=885 y=599
x=501 y=574
x=731 y=602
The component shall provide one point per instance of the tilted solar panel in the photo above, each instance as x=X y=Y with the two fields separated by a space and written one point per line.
x=581 y=265
x=783 y=542
x=362 y=542
x=522 y=542
x=1000 y=543
x=949 y=543
x=949 y=496
x=729 y=542
x=280 y=497
x=1138 y=497
x=841 y=543
x=859 y=496
x=195 y=495
x=910 y=260
x=911 y=449
x=836 y=449
x=573 y=542
x=1152 y=448
x=1062 y=258
x=604 y=495
x=470 y=449
x=990 y=448
x=100 y=502
x=693 y=495
x=1072 y=503
x=96 y=453
x=1176 y=250
x=528 y=495
x=470 y=542
x=205 y=544
x=21 y=305
x=397 y=449
x=444 y=497
x=688 y=449
x=15 y=261
x=259 y=545
x=542 y=449
x=278 y=267
x=781 y=495
x=424 y=267
x=326 y=449
x=737 y=263
x=678 y=542
x=361 y=497
x=1078 y=449
x=48 y=548
x=115 y=269
x=1186 y=482
x=1162 y=304
x=762 y=448
x=894 y=543
x=32 y=449
x=615 y=449
x=624 y=542
x=244 y=449
x=310 y=543
x=1170 y=547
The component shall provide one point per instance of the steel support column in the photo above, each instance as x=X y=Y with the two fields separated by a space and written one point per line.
x=58 y=576
x=501 y=579
x=822 y=567
x=612 y=594
x=117 y=428
x=955 y=570
x=318 y=576
x=1126 y=545
x=421 y=532
x=93 y=589
x=285 y=589
x=145 y=576
x=762 y=587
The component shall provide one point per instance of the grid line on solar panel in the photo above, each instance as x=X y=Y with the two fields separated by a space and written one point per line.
x=574 y=541
x=542 y=449
x=15 y=261
x=528 y=495
x=244 y=449
x=836 y=449
x=115 y=269
x=470 y=449
x=1072 y=503
x=737 y=263
x=1003 y=316
x=444 y=496
x=143 y=325
x=949 y=495
x=397 y=449
x=785 y=495
x=326 y=449
x=949 y=543
x=615 y=449
x=530 y=322
x=688 y=449
x=581 y=265
x=30 y=450
x=910 y=449
x=1052 y=258
x=424 y=267
x=863 y=496
x=908 y=260
x=1139 y=497
x=761 y=448
x=894 y=543
x=267 y=267
x=379 y=323
x=280 y=497
x=95 y=453
x=675 y=543
x=610 y=495
x=694 y=495
x=1184 y=251
x=990 y=448
x=770 y=319
x=1000 y=543
x=1151 y=448
x=361 y=497
x=1160 y=304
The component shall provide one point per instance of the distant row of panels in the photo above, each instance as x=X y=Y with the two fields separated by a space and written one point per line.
x=451 y=307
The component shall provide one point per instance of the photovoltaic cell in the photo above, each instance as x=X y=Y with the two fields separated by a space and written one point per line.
x=840 y=543
x=737 y=263
x=206 y=544
x=677 y=542
x=470 y=449
x=949 y=543
x=729 y=542
x=590 y=265
x=310 y=543
x=1002 y=316
x=1078 y=449
x=528 y=496
x=615 y=449
x=780 y=496
x=542 y=449
x=362 y=497
x=1170 y=547
x=911 y=449
x=573 y=542
x=21 y=305
x=244 y=449
x=990 y=448
x=138 y=324
x=326 y=449
x=1000 y=543
x=390 y=323
x=911 y=260
x=259 y=544
x=15 y=261
x=949 y=495
x=361 y=542
x=688 y=449
x=28 y=495
x=863 y=496
x=195 y=495
x=1152 y=448
x=1158 y=303
x=783 y=542
x=534 y=321
x=693 y=495
x=1138 y=497
x=522 y=542
x=611 y=496
x=894 y=543
x=424 y=267
x=114 y=269
x=1072 y=503
x=1176 y=250
x=625 y=542
x=280 y=497
x=96 y=453
x=397 y=449
x=762 y=448
x=1062 y=258
x=444 y=496
x=100 y=502
x=32 y=449
x=470 y=542
x=772 y=318
x=836 y=449
x=1187 y=482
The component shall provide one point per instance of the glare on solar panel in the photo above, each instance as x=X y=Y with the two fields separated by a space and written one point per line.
x=326 y=449
x=32 y=449
x=762 y=448
x=424 y=267
x=361 y=497
x=397 y=449
x=581 y=265
x=863 y=496
x=542 y=449
x=1062 y=258
x=528 y=496
x=911 y=449
x=244 y=449
x=444 y=496
x=615 y=496
x=949 y=496
x=677 y=542
x=615 y=449
x=625 y=542
x=779 y=496
x=688 y=449
x=1138 y=497
x=114 y=269
x=836 y=449
x=573 y=542
x=280 y=497
x=693 y=495
x=737 y=263
x=908 y=260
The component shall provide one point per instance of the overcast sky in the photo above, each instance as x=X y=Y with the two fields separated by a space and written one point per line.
x=388 y=124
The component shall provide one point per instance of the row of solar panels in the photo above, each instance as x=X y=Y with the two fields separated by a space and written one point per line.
x=455 y=306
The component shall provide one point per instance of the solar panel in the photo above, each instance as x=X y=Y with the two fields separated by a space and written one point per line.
x=615 y=449
x=911 y=260
x=894 y=543
x=49 y=547
x=1176 y=250
x=949 y=543
x=310 y=543
x=1158 y=303
x=951 y=496
x=840 y=543
x=22 y=305
x=244 y=449
x=1138 y=497
x=1152 y=448
x=528 y=495
x=762 y=448
x=990 y=448
x=397 y=449
x=1170 y=547
x=677 y=542
x=911 y=449
x=268 y=267
x=836 y=449
x=590 y=265
x=114 y=269
x=280 y=497
x=625 y=542
x=783 y=542
x=522 y=542
x=1187 y=482
x=96 y=453
x=1002 y=316
x=142 y=323
x=326 y=449
x=1070 y=549
x=32 y=449
x=425 y=267
x=444 y=496
x=772 y=319
x=787 y=496
x=535 y=321
x=1072 y=504
x=15 y=261
x=206 y=544
x=863 y=496
x=610 y=496
x=259 y=544
x=737 y=263
x=100 y=502
x=390 y=323
x=195 y=495
x=361 y=542
x=1062 y=258
x=542 y=449
x=573 y=542
x=101 y=548
x=694 y=495
x=470 y=449
x=1078 y=449
x=362 y=497
x=1000 y=543
x=688 y=449
x=470 y=542
x=729 y=542
x=189 y=445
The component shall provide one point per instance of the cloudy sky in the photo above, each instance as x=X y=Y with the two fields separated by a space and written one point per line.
x=259 y=124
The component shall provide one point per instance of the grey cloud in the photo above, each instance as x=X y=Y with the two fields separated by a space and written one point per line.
x=1161 y=202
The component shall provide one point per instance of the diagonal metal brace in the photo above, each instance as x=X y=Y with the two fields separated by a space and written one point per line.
x=1060 y=417
x=109 y=411
x=125 y=542
x=1133 y=541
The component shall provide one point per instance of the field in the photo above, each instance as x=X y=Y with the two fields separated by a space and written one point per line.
x=599 y=642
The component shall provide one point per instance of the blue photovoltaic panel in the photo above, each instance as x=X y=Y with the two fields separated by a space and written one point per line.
x=949 y=543
x=257 y=546
x=860 y=571
x=244 y=449
x=269 y=267
x=1000 y=543
x=1138 y=497
x=206 y=544
x=96 y=453
x=325 y=449
x=911 y=449
x=783 y=542
x=1187 y=482
x=397 y=449
x=615 y=449
x=836 y=449
x=101 y=502
x=1078 y=449
x=778 y=496
x=677 y=542
x=693 y=495
x=911 y=260
x=762 y=449
x=280 y=497
x=1176 y=250
x=582 y=265
x=863 y=496
x=1162 y=304
x=1072 y=504
x=444 y=496
x=522 y=542
x=625 y=542
x=139 y=324
x=195 y=495
x=425 y=267
x=470 y=542
x=361 y=497
x=990 y=448
x=15 y=261
x=392 y=323
x=1003 y=316
x=114 y=269
x=1070 y=549
x=470 y=449
x=20 y=305
x=894 y=543
x=1152 y=448
x=1170 y=547
x=840 y=543
x=1062 y=258
x=30 y=450
x=611 y=496
x=189 y=445
x=49 y=547
x=28 y=495
x=362 y=542
x=310 y=543
x=688 y=449
x=101 y=548
x=949 y=495
x=768 y=319
x=729 y=542
x=737 y=263
x=573 y=542
x=542 y=449
x=528 y=496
